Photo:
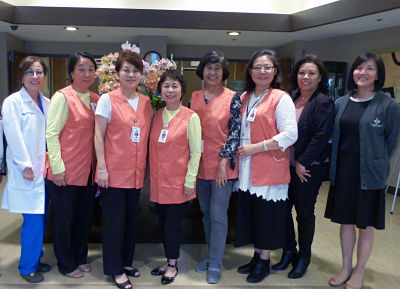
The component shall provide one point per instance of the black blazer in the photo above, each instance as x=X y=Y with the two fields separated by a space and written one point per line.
x=314 y=129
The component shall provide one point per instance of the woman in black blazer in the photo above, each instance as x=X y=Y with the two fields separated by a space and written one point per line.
x=309 y=159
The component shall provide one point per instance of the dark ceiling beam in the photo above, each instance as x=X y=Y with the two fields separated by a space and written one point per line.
x=339 y=11
x=7 y=12
x=151 y=18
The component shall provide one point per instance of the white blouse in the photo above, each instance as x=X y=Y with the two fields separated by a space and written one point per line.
x=104 y=106
x=285 y=115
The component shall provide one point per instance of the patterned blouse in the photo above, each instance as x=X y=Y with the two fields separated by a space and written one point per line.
x=231 y=145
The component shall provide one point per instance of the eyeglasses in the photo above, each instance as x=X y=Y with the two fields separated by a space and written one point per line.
x=31 y=72
x=259 y=68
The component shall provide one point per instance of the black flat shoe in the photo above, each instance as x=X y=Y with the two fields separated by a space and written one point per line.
x=300 y=269
x=260 y=271
x=34 y=277
x=247 y=268
x=43 y=267
x=135 y=272
x=123 y=285
x=168 y=280
x=157 y=272
x=287 y=258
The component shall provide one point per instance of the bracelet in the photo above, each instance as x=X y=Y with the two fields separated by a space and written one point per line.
x=265 y=145
x=102 y=171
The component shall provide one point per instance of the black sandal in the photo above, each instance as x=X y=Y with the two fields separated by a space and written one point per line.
x=123 y=285
x=157 y=271
x=132 y=272
x=168 y=280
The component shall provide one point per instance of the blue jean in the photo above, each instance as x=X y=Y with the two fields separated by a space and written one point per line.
x=31 y=242
x=214 y=204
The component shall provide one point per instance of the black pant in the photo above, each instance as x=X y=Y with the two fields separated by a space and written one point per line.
x=120 y=207
x=170 y=219
x=72 y=212
x=303 y=197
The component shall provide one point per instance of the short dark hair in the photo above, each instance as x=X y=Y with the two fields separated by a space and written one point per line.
x=352 y=86
x=73 y=60
x=174 y=75
x=276 y=82
x=309 y=58
x=213 y=57
x=130 y=57
x=26 y=62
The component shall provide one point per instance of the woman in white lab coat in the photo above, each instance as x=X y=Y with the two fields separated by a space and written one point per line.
x=24 y=120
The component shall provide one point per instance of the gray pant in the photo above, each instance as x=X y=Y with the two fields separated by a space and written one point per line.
x=214 y=203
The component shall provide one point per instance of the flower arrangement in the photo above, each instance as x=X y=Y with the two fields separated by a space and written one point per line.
x=107 y=74
x=151 y=74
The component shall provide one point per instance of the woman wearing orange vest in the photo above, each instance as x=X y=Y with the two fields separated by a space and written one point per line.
x=219 y=111
x=175 y=150
x=123 y=119
x=268 y=128
x=70 y=134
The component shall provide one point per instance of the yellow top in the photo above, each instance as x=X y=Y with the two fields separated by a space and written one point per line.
x=194 y=137
x=56 y=119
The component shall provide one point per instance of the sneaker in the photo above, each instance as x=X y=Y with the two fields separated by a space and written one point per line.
x=34 y=277
x=43 y=267
x=202 y=266
x=213 y=275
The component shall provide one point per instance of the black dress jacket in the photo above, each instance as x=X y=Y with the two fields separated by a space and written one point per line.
x=314 y=129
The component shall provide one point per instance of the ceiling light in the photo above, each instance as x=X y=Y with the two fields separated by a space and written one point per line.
x=71 y=28
x=233 y=33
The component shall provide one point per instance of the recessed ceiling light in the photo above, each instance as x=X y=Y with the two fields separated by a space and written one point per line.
x=233 y=33
x=71 y=28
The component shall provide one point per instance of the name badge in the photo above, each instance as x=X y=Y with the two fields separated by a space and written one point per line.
x=252 y=114
x=135 y=134
x=245 y=134
x=163 y=136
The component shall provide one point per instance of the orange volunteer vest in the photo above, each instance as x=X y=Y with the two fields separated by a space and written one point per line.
x=77 y=138
x=269 y=168
x=214 y=118
x=125 y=159
x=169 y=160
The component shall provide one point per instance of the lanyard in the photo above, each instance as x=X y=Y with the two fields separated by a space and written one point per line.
x=255 y=103
x=40 y=104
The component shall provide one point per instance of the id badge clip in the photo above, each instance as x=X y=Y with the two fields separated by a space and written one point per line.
x=163 y=136
x=135 y=134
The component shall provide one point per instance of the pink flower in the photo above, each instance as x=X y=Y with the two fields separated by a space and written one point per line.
x=126 y=46
x=135 y=49
x=164 y=63
x=145 y=64
x=156 y=64
x=101 y=69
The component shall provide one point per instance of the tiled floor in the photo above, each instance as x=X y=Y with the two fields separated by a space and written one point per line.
x=382 y=273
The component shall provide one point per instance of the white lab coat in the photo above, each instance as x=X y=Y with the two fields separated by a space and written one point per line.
x=25 y=130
